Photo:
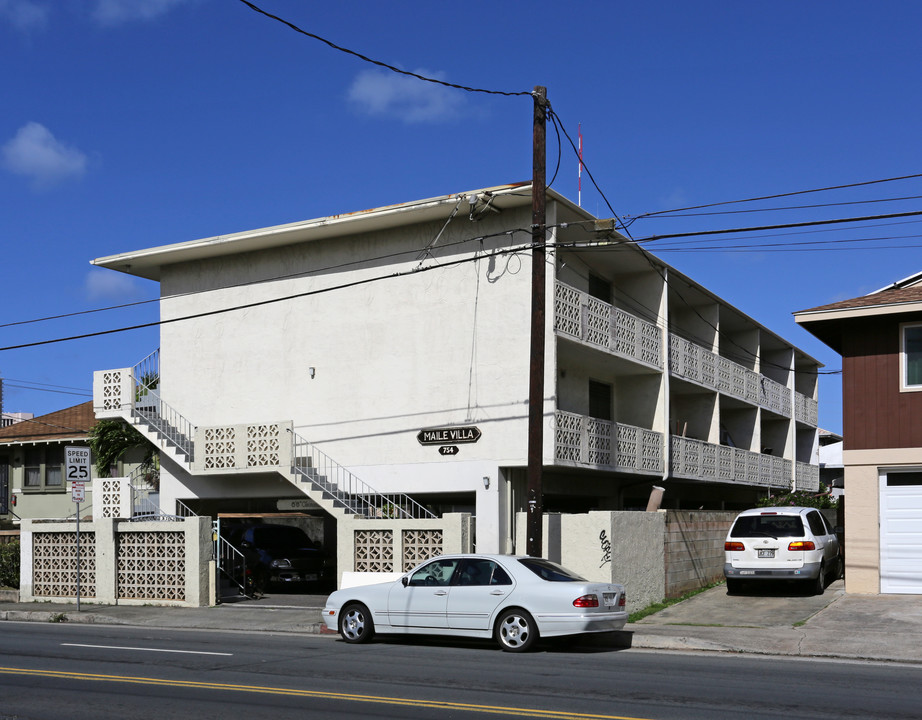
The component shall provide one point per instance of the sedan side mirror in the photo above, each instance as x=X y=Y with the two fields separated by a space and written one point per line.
x=405 y=581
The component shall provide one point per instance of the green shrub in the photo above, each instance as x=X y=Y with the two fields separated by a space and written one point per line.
x=9 y=564
x=802 y=498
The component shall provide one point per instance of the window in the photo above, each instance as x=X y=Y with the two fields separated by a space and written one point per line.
x=904 y=479
x=599 y=400
x=438 y=572
x=4 y=485
x=600 y=288
x=43 y=468
x=476 y=572
x=774 y=526
x=550 y=571
x=911 y=356
x=816 y=523
x=33 y=468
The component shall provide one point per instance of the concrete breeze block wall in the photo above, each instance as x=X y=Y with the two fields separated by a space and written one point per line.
x=694 y=548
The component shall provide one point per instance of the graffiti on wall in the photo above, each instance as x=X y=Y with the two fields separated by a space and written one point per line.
x=606 y=547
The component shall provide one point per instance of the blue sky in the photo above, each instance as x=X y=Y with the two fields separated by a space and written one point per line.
x=127 y=124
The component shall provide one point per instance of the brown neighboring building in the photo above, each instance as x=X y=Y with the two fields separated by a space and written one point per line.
x=32 y=482
x=879 y=337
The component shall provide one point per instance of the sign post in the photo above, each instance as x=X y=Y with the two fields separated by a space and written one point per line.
x=77 y=470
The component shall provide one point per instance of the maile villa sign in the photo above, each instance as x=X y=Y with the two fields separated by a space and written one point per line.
x=448 y=435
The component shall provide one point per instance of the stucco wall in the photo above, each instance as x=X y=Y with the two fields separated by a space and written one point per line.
x=389 y=357
x=862 y=512
x=623 y=547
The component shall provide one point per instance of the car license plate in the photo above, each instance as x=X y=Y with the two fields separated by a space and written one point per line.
x=608 y=599
x=766 y=553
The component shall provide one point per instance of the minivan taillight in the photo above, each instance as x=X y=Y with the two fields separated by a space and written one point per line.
x=586 y=601
x=734 y=546
x=801 y=545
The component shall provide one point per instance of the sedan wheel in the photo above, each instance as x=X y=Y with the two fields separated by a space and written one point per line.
x=355 y=624
x=516 y=631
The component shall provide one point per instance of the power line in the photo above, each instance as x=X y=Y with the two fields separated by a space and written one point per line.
x=773 y=197
x=378 y=62
x=273 y=278
x=271 y=301
x=560 y=127
x=82 y=393
x=811 y=223
x=795 y=207
x=78 y=313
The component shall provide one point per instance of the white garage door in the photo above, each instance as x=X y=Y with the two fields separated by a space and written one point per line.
x=901 y=532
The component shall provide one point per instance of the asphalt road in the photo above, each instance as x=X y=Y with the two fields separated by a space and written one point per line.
x=55 y=671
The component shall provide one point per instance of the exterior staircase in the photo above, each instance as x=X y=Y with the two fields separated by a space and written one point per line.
x=132 y=394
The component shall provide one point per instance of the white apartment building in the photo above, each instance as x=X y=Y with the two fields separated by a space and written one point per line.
x=389 y=350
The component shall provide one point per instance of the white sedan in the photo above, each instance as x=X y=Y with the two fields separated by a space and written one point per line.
x=514 y=599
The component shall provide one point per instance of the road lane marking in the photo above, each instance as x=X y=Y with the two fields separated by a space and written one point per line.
x=164 y=650
x=319 y=694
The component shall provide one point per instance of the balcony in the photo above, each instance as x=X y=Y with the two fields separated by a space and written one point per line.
x=805 y=410
x=698 y=460
x=582 y=317
x=606 y=445
x=807 y=476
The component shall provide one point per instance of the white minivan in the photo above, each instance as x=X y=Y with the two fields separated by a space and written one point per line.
x=782 y=543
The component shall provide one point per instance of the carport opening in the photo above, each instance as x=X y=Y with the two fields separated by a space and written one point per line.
x=302 y=561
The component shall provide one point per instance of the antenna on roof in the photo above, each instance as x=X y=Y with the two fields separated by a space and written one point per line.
x=579 y=189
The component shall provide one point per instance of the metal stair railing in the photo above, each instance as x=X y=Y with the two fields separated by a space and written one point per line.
x=149 y=408
x=231 y=563
x=140 y=485
x=346 y=490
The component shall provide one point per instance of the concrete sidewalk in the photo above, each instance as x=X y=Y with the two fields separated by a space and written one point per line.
x=833 y=625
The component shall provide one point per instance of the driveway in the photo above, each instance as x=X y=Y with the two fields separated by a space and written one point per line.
x=758 y=605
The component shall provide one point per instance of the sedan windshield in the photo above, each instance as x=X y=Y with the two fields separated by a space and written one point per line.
x=552 y=572
x=775 y=526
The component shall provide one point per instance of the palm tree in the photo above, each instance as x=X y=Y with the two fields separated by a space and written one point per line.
x=111 y=438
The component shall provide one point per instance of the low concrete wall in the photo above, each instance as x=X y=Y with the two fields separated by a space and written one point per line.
x=122 y=563
x=624 y=547
x=694 y=548
x=370 y=546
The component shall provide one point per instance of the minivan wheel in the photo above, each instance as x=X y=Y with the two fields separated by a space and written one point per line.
x=819 y=584
x=734 y=586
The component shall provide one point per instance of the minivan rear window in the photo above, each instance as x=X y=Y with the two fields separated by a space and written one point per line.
x=775 y=526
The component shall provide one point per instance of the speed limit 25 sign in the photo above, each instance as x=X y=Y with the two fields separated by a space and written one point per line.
x=77 y=463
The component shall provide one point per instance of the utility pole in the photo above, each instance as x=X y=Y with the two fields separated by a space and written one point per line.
x=535 y=528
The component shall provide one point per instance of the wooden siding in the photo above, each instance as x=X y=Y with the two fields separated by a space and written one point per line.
x=875 y=413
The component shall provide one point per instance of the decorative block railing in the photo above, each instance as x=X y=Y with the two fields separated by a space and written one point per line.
x=242 y=447
x=583 y=440
x=693 y=362
x=699 y=460
x=806 y=410
x=774 y=396
x=583 y=317
x=807 y=476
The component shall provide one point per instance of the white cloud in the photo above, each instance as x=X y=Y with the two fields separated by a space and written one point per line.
x=24 y=15
x=109 y=285
x=115 y=12
x=383 y=92
x=35 y=153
